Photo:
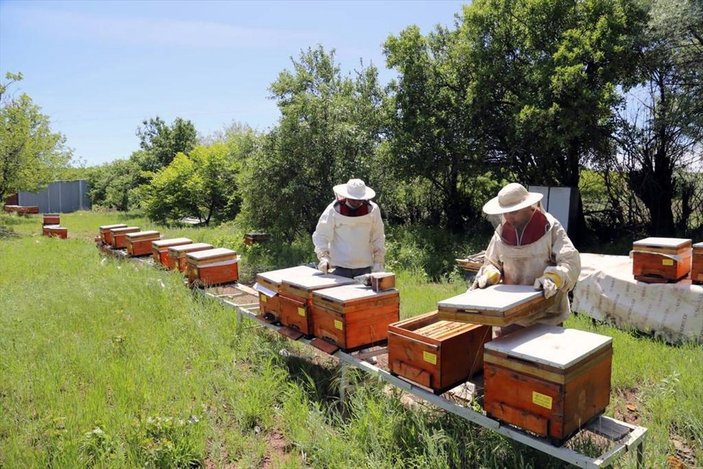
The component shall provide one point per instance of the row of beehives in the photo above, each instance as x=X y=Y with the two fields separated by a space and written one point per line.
x=202 y=263
x=22 y=209
x=545 y=379
x=656 y=260
x=51 y=226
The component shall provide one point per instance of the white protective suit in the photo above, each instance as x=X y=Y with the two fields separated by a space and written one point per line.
x=521 y=265
x=351 y=242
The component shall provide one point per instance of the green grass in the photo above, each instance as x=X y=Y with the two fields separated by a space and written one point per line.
x=110 y=363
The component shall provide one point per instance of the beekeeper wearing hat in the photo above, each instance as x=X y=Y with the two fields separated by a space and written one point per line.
x=349 y=236
x=530 y=247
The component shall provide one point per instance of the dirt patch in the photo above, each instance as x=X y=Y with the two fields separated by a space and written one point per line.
x=277 y=448
x=627 y=408
x=685 y=457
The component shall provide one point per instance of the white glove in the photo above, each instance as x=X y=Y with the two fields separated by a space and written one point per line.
x=364 y=279
x=324 y=265
x=487 y=275
x=377 y=267
x=550 y=282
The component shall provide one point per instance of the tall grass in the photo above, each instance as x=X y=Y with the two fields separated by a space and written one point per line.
x=110 y=363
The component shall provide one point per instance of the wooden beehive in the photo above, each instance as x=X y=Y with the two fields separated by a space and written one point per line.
x=177 y=254
x=382 y=281
x=139 y=242
x=296 y=298
x=434 y=353
x=51 y=219
x=548 y=380
x=354 y=316
x=497 y=305
x=255 y=238
x=697 y=264
x=268 y=284
x=119 y=236
x=106 y=234
x=55 y=231
x=159 y=250
x=212 y=267
x=661 y=259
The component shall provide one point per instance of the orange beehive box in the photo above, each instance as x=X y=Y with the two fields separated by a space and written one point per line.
x=497 y=305
x=55 y=231
x=159 y=250
x=51 y=219
x=434 y=353
x=177 y=254
x=119 y=236
x=548 y=380
x=661 y=259
x=697 y=263
x=106 y=234
x=296 y=298
x=212 y=267
x=139 y=242
x=268 y=284
x=354 y=316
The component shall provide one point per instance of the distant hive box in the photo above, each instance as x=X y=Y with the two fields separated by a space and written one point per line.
x=497 y=305
x=697 y=264
x=212 y=267
x=268 y=284
x=106 y=234
x=55 y=231
x=661 y=259
x=434 y=353
x=139 y=242
x=548 y=380
x=296 y=298
x=255 y=238
x=354 y=316
x=119 y=236
x=51 y=219
x=177 y=254
x=159 y=250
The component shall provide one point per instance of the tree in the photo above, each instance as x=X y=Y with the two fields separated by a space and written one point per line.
x=111 y=184
x=162 y=142
x=661 y=132
x=328 y=130
x=30 y=153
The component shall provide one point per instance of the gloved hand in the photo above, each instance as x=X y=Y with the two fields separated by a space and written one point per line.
x=487 y=275
x=550 y=282
x=324 y=265
x=364 y=279
x=377 y=267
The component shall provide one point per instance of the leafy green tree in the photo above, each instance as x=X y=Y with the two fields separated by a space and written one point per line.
x=660 y=138
x=162 y=142
x=173 y=191
x=328 y=131
x=30 y=153
x=112 y=183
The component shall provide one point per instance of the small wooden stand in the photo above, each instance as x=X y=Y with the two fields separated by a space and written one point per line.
x=159 y=250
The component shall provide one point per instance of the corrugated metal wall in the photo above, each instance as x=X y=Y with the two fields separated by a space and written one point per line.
x=58 y=197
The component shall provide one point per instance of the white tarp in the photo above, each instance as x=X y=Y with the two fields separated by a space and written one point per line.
x=607 y=291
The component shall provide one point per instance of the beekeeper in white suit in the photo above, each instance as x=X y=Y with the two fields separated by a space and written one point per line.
x=349 y=236
x=529 y=247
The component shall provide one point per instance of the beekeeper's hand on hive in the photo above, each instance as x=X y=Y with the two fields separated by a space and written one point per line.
x=350 y=234
x=550 y=282
x=486 y=276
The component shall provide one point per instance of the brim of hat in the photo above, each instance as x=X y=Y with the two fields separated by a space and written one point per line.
x=493 y=207
x=341 y=190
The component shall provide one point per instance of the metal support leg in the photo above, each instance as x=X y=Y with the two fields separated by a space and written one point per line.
x=343 y=382
x=640 y=455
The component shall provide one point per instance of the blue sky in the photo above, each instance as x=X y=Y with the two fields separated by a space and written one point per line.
x=99 y=68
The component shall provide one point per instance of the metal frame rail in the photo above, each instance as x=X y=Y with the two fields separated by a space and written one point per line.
x=627 y=437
